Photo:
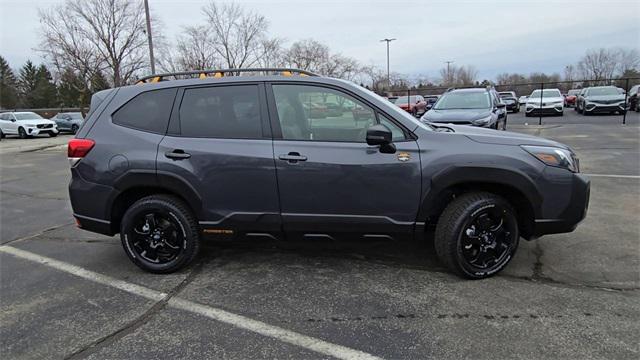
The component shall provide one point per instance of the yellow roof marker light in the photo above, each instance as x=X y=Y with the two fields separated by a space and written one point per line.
x=287 y=73
x=218 y=75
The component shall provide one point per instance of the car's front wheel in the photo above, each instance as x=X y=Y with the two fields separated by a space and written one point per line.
x=22 y=133
x=52 y=134
x=477 y=235
x=74 y=129
x=160 y=234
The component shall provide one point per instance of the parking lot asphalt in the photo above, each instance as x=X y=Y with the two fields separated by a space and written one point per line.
x=74 y=294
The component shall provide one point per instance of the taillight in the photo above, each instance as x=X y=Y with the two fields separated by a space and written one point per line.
x=78 y=148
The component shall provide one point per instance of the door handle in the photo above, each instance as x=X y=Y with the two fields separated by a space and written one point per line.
x=292 y=157
x=177 y=154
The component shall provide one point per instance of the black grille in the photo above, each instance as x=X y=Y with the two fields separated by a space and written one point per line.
x=44 y=126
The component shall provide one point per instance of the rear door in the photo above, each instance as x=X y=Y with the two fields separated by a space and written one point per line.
x=219 y=144
x=331 y=183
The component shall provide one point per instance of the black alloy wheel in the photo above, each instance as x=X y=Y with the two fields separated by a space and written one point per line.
x=477 y=235
x=159 y=234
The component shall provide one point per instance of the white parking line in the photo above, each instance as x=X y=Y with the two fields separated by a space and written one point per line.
x=239 y=321
x=614 y=176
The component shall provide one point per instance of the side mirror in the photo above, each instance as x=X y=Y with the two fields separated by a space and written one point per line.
x=429 y=106
x=381 y=135
x=13 y=120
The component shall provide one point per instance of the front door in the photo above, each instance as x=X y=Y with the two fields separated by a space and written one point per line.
x=331 y=183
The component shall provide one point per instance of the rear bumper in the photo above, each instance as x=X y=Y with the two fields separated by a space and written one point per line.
x=89 y=202
x=573 y=213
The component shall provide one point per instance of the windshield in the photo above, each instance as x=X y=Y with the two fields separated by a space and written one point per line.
x=545 y=93
x=573 y=92
x=463 y=100
x=27 y=116
x=603 y=91
x=403 y=100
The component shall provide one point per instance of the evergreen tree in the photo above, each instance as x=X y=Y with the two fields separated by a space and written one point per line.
x=99 y=82
x=8 y=86
x=46 y=93
x=27 y=83
x=71 y=89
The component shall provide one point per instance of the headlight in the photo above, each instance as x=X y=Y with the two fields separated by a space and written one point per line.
x=557 y=102
x=482 y=121
x=554 y=156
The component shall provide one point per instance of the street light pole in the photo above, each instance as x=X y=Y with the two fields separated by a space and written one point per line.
x=449 y=79
x=149 y=37
x=388 y=73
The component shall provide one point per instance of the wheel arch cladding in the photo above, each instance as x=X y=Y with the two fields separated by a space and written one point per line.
x=514 y=186
x=133 y=186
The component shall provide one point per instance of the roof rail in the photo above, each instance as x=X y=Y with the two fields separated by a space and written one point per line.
x=223 y=72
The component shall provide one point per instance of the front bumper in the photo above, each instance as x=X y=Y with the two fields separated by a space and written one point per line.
x=34 y=131
x=545 y=109
x=573 y=212
x=602 y=108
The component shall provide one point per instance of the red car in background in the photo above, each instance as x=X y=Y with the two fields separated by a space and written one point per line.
x=415 y=104
x=571 y=97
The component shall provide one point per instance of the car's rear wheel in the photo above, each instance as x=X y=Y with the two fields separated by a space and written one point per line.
x=160 y=234
x=477 y=235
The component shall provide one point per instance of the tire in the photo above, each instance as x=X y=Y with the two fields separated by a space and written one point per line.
x=53 y=134
x=504 y=125
x=637 y=106
x=22 y=133
x=74 y=129
x=168 y=214
x=459 y=222
x=561 y=113
x=527 y=114
x=1 y=134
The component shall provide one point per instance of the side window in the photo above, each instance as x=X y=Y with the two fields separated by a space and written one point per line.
x=314 y=113
x=231 y=112
x=396 y=132
x=148 y=111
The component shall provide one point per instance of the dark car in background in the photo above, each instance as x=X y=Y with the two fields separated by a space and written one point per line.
x=511 y=100
x=69 y=121
x=475 y=106
x=603 y=99
x=415 y=104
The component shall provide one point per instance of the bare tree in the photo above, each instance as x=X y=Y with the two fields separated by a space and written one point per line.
x=308 y=55
x=628 y=59
x=94 y=35
x=196 y=51
x=271 y=53
x=235 y=33
x=466 y=75
x=598 y=64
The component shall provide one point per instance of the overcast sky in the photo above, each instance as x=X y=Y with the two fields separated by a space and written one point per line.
x=494 y=36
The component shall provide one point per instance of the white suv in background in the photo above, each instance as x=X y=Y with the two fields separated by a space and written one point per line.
x=545 y=102
x=26 y=125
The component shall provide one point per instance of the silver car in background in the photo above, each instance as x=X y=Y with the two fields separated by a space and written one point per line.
x=69 y=121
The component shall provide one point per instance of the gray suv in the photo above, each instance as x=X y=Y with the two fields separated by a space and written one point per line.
x=168 y=163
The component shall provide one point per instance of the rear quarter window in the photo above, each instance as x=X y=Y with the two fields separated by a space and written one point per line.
x=148 y=111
